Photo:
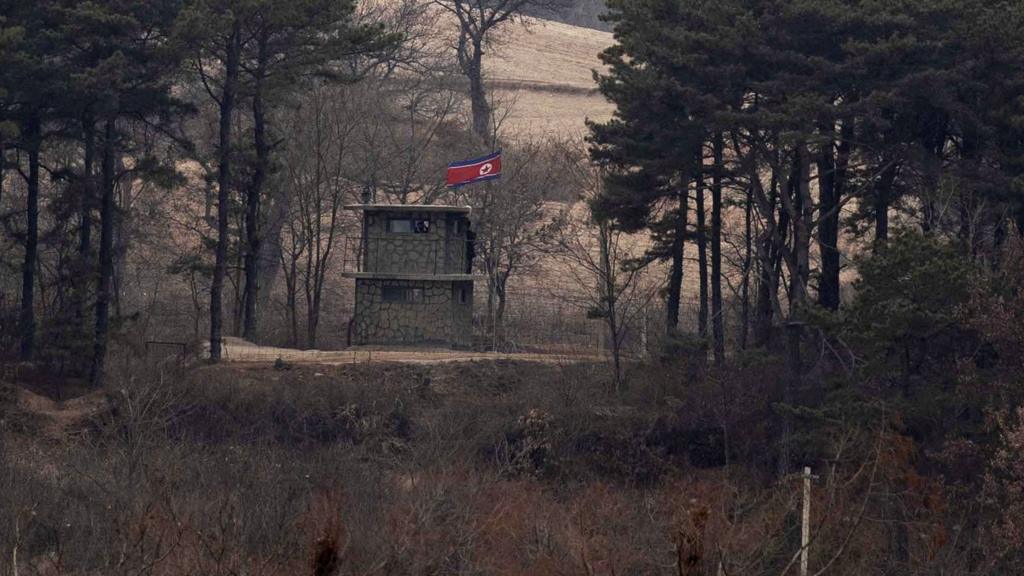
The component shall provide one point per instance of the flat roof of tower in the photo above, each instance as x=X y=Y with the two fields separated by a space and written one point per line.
x=408 y=208
x=412 y=276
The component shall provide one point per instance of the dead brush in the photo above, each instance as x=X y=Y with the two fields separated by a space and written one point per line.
x=326 y=557
x=690 y=543
x=322 y=521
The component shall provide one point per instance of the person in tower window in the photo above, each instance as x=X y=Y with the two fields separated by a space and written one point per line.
x=470 y=250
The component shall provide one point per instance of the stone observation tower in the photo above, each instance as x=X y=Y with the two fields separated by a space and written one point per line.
x=413 y=272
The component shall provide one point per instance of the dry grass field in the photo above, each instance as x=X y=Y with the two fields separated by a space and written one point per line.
x=544 y=70
x=542 y=75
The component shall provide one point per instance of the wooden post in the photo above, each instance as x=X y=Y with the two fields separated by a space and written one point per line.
x=805 y=524
x=643 y=332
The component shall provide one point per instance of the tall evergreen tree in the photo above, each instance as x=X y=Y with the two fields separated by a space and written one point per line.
x=33 y=75
x=125 y=64
x=651 y=150
x=291 y=41
x=213 y=31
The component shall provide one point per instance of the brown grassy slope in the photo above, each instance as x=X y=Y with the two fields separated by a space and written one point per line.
x=549 y=67
x=544 y=71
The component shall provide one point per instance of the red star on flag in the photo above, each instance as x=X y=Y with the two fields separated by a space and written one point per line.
x=476 y=170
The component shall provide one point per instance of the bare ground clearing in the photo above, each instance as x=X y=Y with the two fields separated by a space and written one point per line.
x=236 y=350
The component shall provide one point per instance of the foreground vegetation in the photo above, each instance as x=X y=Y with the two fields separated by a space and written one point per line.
x=860 y=292
x=520 y=468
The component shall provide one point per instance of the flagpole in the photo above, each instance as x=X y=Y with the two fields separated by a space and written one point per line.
x=482 y=170
x=492 y=287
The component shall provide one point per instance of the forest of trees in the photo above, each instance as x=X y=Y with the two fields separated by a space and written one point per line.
x=841 y=183
x=828 y=128
x=228 y=135
x=863 y=163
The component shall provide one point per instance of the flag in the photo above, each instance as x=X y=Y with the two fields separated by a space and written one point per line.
x=477 y=170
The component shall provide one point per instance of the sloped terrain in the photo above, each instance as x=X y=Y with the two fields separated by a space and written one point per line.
x=544 y=71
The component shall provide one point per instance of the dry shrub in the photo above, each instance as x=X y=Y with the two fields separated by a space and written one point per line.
x=323 y=527
x=229 y=474
x=1004 y=483
x=465 y=522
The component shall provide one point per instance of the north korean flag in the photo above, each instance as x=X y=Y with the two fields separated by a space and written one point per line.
x=477 y=170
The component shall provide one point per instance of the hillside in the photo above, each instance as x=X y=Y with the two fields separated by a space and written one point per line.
x=544 y=71
x=547 y=71
x=585 y=13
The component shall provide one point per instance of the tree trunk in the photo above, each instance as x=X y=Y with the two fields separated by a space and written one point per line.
x=828 y=226
x=312 y=323
x=227 y=104
x=610 y=296
x=88 y=187
x=717 y=314
x=501 y=292
x=85 y=207
x=106 y=257
x=702 y=259
x=801 y=217
x=238 y=283
x=832 y=167
x=675 y=279
x=122 y=204
x=489 y=322
x=747 y=263
x=293 y=310
x=88 y=190
x=320 y=276
x=883 y=193
x=481 y=108
x=271 y=248
x=254 y=195
x=33 y=137
x=289 y=268
x=769 y=262
x=312 y=238
x=763 y=311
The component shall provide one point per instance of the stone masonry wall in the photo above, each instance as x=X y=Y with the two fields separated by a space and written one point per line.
x=439 y=319
x=440 y=251
x=463 y=314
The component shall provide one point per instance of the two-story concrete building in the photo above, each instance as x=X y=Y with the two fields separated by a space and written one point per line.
x=413 y=273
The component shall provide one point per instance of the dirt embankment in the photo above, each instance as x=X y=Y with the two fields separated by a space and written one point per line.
x=236 y=350
x=53 y=420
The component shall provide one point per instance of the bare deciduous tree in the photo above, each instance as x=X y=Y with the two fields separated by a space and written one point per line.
x=606 y=266
x=321 y=140
x=402 y=143
x=513 y=223
x=477 y=19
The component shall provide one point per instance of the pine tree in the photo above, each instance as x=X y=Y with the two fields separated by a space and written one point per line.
x=212 y=31
x=651 y=150
x=124 y=66
x=291 y=42
x=33 y=76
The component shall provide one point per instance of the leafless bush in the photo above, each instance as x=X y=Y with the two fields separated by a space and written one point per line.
x=496 y=468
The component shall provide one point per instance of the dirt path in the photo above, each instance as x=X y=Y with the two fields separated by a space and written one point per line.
x=58 y=419
x=238 y=350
